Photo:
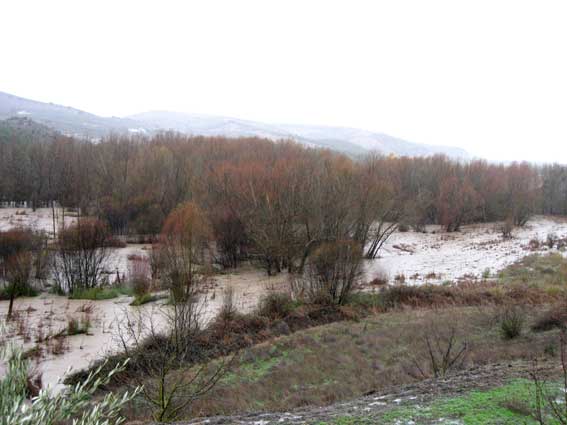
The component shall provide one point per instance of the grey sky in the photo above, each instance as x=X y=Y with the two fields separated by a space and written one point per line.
x=488 y=76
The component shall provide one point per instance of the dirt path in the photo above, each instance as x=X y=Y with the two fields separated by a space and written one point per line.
x=373 y=406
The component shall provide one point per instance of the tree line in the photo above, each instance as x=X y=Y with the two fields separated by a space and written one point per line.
x=272 y=201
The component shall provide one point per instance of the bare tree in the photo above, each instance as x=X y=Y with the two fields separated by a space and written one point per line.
x=81 y=255
x=166 y=358
x=444 y=352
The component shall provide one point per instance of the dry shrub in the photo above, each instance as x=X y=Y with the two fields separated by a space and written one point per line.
x=416 y=296
x=228 y=310
x=534 y=244
x=81 y=255
x=506 y=228
x=555 y=318
x=15 y=241
x=431 y=275
x=331 y=274
x=400 y=278
x=551 y=240
x=445 y=351
x=465 y=293
x=381 y=278
x=275 y=306
x=16 y=262
x=139 y=272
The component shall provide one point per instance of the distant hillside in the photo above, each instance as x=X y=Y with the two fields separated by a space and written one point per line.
x=64 y=119
x=25 y=128
x=71 y=121
x=349 y=140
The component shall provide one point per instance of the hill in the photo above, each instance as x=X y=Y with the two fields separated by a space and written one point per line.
x=342 y=139
x=67 y=120
x=74 y=122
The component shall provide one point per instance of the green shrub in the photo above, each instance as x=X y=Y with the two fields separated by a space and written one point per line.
x=275 y=306
x=97 y=294
x=48 y=408
x=23 y=291
x=512 y=322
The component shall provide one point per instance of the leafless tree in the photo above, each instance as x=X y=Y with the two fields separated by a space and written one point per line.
x=166 y=358
x=444 y=351
x=81 y=255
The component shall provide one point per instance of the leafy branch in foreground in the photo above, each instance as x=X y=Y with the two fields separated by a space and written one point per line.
x=49 y=408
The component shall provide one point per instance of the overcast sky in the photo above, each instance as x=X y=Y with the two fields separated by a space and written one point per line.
x=488 y=76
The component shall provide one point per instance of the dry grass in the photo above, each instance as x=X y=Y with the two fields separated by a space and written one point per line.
x=292 y=355
x=338 y=361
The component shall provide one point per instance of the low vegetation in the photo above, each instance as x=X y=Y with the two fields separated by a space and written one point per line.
x=101 y=293
x=295 y=352
x=22 y=402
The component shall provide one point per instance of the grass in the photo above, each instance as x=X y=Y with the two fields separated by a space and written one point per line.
x=144 y=299
x=97 y=294
x=326 y=364
x=78 y=327
x=541 y=270
x=507 y=405
x=375 y=341
x=26 y=291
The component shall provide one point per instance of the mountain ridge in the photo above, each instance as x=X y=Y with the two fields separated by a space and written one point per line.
x=75 y=122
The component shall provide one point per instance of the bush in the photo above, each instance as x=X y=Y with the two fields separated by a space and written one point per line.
x=97 y=294
x=81 y=255
x=556 y=318
x=78 y=327
x=17 y=249
x=275 y=306
x=445 y=351
x=512 y=322
x=506 y=229
x=333 y=271
x=228 y=309
x=534 y=244
x=381 y=278
x=139 y=275
x=143 y=299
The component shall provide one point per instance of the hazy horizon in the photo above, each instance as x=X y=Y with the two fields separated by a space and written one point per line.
x=487 y=77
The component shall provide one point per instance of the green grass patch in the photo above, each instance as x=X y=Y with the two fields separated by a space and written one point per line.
x=507 y=405
x=252 y=370
x=540 y=270
x=97 y=294
x=26 y=291
x=348 y=420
